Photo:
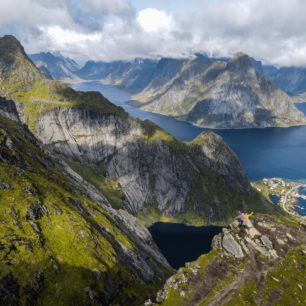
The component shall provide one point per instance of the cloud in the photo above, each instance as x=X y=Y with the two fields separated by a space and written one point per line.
x=153 y=20
x=272 y=31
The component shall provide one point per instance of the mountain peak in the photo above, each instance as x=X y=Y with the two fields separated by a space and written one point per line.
x=10 y=47
x=241 y=62
x=13 y=58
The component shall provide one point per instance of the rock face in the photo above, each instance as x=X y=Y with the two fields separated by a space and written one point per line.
x=292 y=80
x=268 y=271
x=60 y=67
x=230 y=245
x=159 y=177
x=129 y=76
x=43 y=68
x=59 y=232
x=220 y=95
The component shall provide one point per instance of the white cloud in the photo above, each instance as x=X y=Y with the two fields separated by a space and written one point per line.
x=153 y=20
x=273 y=30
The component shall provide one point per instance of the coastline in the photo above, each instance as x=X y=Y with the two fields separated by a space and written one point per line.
x=213 y=128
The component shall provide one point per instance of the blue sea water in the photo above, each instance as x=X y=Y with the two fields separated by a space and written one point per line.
x=302 y=203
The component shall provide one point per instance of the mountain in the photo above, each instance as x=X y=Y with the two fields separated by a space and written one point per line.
x=129 y=76
x=293 y=81
x=219 y=95
x=42 y=67
x=269 y=70
x=59 y=66
x=61 y=242
x=256 y=64
x=261 y=265
x=136 y=165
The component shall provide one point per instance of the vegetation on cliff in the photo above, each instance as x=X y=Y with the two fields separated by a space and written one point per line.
x=60 y=243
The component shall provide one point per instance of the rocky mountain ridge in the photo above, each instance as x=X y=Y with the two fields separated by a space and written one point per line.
x=61 y=242
x=137 y=165
x=220 y=95
x=59 y=66
x=292 y=80
x=43 y=69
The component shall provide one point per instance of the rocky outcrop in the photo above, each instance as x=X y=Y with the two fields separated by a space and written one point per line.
x=231 y=246
x=53 y=221
x=43 y=69
x=269 y=266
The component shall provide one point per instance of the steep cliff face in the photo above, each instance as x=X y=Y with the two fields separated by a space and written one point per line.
x=221 y=95
x=59 y=66
x=263 y=264
x=43 y=69
x=61 y=242
x=151 y=174
x=292 y=80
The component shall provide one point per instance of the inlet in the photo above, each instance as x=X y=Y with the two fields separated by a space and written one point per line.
x=180 y=243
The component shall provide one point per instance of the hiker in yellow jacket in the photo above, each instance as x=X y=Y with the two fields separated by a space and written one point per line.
x=246 y=219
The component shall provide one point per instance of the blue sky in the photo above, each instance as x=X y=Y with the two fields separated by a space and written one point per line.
x=271 y=31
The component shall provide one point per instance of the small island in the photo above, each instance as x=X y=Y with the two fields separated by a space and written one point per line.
x=287 y=193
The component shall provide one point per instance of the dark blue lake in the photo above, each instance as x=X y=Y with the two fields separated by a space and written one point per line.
x=274 y=198
x=180 y=243
x=264 y=153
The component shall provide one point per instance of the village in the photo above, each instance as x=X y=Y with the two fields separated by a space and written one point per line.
x=287 y=192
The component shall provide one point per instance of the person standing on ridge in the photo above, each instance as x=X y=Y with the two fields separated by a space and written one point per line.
x=246 y=219
x=242 y=218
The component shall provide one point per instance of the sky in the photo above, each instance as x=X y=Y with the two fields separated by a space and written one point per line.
x=269 y=30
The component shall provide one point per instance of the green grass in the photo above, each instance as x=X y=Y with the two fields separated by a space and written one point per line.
x=94 y=176
x=289 y=276
x=71 y=240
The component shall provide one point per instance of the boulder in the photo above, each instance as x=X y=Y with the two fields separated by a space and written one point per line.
x=230 y=245
x=303 y=223
x=234 y=224
x=266 y=242
x=216 y=242
x=254 y=232
x=258 y=247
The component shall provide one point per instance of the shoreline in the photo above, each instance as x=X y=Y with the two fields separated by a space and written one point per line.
x=206 y=127
x=294 y=188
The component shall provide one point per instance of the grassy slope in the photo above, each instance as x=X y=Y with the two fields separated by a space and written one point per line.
x=71 y=240
x=94 y=176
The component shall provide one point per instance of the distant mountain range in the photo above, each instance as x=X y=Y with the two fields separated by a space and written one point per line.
x=58 y=66
x=214 y=92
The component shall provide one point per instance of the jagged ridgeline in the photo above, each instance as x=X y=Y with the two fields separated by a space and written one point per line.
x=217 y=94
x=138 y=166
x=60 y=241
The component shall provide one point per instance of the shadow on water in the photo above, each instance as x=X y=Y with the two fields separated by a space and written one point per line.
x=264 y=153
x=274 y=198
x=180 y=243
